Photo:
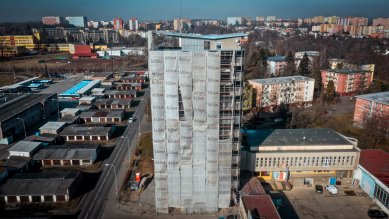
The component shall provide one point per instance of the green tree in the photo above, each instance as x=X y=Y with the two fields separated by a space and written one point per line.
x=304 y=68
x=318 y=80
x=330 y=91
x=290 y=68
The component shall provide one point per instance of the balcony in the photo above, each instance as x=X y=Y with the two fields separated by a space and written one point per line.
x=236 y=159
x=235 y=172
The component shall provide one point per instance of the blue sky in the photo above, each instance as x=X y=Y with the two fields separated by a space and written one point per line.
x=23 y=10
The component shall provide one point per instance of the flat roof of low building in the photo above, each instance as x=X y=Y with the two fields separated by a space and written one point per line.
x=25 y=146
x=294 y=137
x=253 y=187
x=260 y=206
x=98 y=89
x=112 y=101
x=382 y=97
x=347 y=71
x=121 y=92
x=70 y=111
x=53 y=126
x=78 y=130
x=36 y=184
x=203 y=37
x=67 y=152
x=87 y=98
x=276 y=58
x=16 y=162
x=103 y=113
x=282 y=80
x=16 y=85
x=376 y=161
x=99 y=74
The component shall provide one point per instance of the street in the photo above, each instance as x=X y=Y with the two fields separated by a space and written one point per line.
x=93 y=203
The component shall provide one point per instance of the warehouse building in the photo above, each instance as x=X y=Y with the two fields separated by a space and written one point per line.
x=68 y=155
x=121 y=94
x=300 y=155
x=19 y=113
x=49 y=187
x=113 y=103
x=24 y=149
x=102 y=116
x=127 y=86
x=87 y=133
x=52 y=128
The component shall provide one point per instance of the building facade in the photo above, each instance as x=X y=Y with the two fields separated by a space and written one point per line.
x=51 y=20
x=196 y=108
x=133 y=24
x=348 y=82
x=78 y=21
x=293 y=90
x=369 y=105
x=276 y=65
x=27 y=41
x=303 y=156
x=118 y=23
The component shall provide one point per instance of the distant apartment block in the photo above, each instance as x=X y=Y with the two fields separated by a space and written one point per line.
x=133 y=24
x=293 y=90
x=311 y=56
x=235 y=21
x=271 y=18
x=180 y=23
x=78 y=21
x=276 y=65
x=318 y=19
x=196 y=108
x=118 y=23
x=348 y=82
x=27 y=41
x=51 y=20
x=260 y=19
x=368 y=105
x=384 y=22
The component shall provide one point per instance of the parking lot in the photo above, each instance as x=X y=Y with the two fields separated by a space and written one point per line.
x=348 y=203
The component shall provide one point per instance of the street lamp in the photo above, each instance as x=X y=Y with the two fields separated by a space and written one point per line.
x=24 y=127
x=116 y=185
x=128 y=147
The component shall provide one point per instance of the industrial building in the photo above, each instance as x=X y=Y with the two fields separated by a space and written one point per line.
x=68 y=155
x=102 y=116
x=372 y=176
x=113 y=103
x=19 y=113
x=196 y=136
x=83 y=88
x=49 y=187
x=303 y=156
x=127 y=86
x=87 y=133
x=121 y=94
x=292 y=90
x=52 y=128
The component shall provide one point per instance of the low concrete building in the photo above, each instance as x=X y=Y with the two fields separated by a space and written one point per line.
x=98 y=92
x=86 y=100
x=24 y=148
x=70 y=112
x=102 y=116
x=68 y=155
x=372 y=176
x=133 y=79
x=300 y=155
x=50 y=186
x=121 y=94
x=87 y=133
x=113 y=103
x=127 y=86
x=16 y=164
x=52 y=127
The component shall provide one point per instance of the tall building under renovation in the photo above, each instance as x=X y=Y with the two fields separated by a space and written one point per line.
x=196 y=110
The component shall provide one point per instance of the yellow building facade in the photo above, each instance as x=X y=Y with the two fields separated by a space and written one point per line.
x=27 y=41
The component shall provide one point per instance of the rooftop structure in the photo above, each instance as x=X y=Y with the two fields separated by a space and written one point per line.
x=80 y=89
x=382 y=97
x=24 y=148
x=377 y=163
x=348 y=71
x=52 y=127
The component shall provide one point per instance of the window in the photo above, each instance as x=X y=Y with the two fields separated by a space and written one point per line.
x=218 y=45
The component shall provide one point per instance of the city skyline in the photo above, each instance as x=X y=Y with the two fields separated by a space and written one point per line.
x=169 y=9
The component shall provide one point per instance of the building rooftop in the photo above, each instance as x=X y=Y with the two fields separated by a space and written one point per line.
x=376 y=161
x=16 y=85
x=102 y=113
x=86 y=130
x=347 y=71
x=43 y=183
x=87 y=99
x=294 y=137
x=203 y=37
x=16 y=162
x=121 y=92
x=25 y=146
x=282 y=80
x=382 y=97
x=67 y=152
x=70 y=111
x=11 y=104
x=53 y=126
x=260 y=206
x=253 y=187
x=112 y=101
x=276 y=58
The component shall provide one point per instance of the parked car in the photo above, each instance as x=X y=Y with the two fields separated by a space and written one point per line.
x=319 y=188
x=376 y=213
x=277 y=120
x=332 y=189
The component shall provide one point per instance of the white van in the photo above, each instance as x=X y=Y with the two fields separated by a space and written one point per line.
x=332 y=189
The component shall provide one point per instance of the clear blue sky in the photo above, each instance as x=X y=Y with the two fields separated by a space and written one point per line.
x=27 y=10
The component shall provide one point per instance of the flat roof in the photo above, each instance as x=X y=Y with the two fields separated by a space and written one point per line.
x=382 y=97
x=13 y=104
x=67 y=152
x=25 y=146
x=86 y=130
x=261 y=206
x=87 y=98
x=112 y=101
x=43 y=183
x=16 y=162
x=280 y=80
x=294 y=137
x=52 y=126
x=99 y=74
x=16 y=85
x=121 y=92
x=203 y=37
x=376 y=161
x=102 y=113
x=253 y=187
x=347 y=71
x=70 y=110
x=276 y=58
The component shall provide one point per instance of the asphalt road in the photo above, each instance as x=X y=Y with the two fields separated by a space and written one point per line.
x=92 y=204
